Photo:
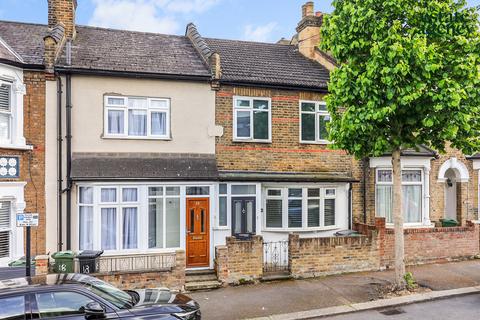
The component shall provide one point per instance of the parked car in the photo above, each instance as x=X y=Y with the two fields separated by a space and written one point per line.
x=79 y=296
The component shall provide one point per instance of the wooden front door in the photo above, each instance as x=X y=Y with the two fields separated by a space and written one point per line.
x=198 y=232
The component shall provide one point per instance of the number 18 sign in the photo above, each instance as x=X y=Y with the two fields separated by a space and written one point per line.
x=27 y=219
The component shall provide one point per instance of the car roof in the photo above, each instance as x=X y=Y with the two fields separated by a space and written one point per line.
x=51 y=280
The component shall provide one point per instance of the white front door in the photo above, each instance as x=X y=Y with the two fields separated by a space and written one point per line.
x=450 y=195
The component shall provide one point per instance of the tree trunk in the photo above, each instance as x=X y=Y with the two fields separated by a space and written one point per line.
x=398 y=221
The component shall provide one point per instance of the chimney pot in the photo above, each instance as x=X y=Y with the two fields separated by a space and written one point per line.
x=307 y=9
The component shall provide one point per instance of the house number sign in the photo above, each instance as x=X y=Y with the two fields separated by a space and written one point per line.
x=9 y=167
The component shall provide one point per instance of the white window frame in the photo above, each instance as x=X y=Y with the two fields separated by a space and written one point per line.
x=284 y=197
x=404 y=183
x=8 y=113
x=251 y=110
x=164 y=198
x=148 y=109
x=318 y=113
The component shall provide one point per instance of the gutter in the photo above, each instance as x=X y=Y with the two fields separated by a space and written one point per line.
x=140 y=75
x=273 y=86
x=25 y=66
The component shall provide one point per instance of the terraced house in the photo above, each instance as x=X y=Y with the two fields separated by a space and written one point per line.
x=174 y=153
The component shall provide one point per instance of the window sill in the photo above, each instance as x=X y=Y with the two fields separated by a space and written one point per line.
x=411 y=225
x=324 y=143
x=221 y=229
x=15 y=146
x=283 y=230
x=135 y=138
x=137 y=252
x=252 y=141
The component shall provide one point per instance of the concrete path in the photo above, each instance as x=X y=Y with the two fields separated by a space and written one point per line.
x=464 y=307
x=301 y=295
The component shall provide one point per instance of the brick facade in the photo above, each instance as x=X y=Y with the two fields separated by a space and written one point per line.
x=467 y=192
x=239 y=261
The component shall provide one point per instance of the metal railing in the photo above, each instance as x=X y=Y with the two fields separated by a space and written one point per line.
x=275 y=256
x=130 y=263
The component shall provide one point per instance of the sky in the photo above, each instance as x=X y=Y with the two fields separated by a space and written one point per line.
x=255 y=20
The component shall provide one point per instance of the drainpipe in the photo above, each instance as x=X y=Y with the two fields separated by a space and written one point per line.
x=350 y=192
x=364 y=189
x=60 y=164
x=68 y=138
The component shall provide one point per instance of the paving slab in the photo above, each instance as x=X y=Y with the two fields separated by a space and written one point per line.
x=283 y=297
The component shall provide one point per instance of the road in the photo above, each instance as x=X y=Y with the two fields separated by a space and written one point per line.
x=464 y=308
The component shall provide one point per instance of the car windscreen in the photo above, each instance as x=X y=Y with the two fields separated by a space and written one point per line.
x=117 y=297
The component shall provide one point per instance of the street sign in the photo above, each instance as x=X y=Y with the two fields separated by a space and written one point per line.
x=27 y=219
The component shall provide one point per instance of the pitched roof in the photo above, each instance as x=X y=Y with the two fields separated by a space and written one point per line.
x=26 y=39
x=268 y=63
x=130 y=51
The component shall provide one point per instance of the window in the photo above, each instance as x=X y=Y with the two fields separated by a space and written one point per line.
x=252 y=119
x=135 y=117
x=314 y=120
x=85 y=218
x=57 y=304
x=5 y=111
x=222 y=205
x=12 y=308
x=300 y=208
x=412 y=188
x=114 y=218
x=163 y=217
x=5 y=228
x=198 y=191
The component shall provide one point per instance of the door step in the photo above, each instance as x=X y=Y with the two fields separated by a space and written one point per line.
x=196 y=280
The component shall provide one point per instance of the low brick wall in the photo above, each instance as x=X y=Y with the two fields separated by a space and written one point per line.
x=430 y=245
x=172 y=278
x=239 y=261
x=313 y=257
x=425 y=245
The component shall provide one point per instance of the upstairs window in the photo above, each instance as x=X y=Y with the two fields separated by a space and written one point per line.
x=252 y=119
x=5 y=112
x=314 y=119
x=137 y=117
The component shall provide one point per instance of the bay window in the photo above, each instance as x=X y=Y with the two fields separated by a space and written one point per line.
x=252 y=119
x=412 y=191
x=5 y=228
x=300 y=208
x=314 y=119
x=127 y=218
x=137 y=117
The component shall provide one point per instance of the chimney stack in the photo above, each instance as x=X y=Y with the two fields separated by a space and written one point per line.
x=63 y=12
x=308 y=30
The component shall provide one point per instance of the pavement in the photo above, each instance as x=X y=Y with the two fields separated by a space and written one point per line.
x=293 y=296
x=462 y=307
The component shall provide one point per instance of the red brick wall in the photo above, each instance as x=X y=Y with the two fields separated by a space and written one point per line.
x=425 y=245
x=34 y=166
x=434 y=245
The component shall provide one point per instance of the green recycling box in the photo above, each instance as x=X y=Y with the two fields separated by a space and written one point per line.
x=63 y=261
x=449 y=222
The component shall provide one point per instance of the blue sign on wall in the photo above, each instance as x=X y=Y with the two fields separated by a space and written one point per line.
x=9 y=167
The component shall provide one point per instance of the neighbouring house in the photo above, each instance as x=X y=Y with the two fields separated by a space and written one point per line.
x=22 y=138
